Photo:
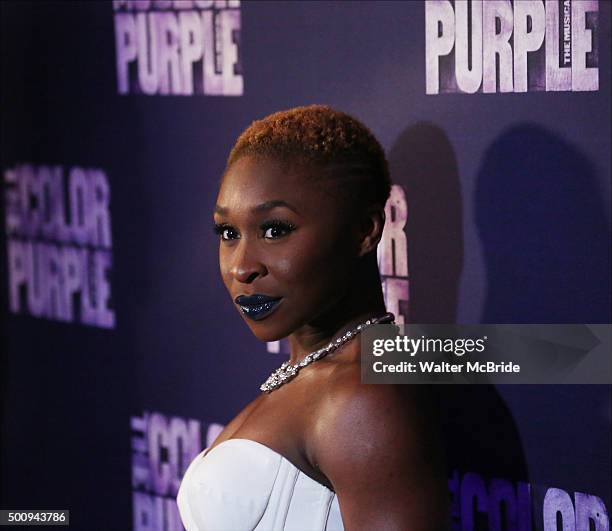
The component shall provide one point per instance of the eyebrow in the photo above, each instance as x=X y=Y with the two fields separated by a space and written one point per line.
x=263 y=207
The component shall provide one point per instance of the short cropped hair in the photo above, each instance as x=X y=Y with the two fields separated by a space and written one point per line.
x=326 y=139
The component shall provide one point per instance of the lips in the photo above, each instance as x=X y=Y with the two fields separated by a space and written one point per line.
x=257 y=306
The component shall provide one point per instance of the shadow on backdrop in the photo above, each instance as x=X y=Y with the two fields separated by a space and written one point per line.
x=422 y=160
x=478 y=430
x=545 y=237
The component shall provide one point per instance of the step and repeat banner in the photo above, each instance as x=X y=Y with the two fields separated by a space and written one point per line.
x=123 y=356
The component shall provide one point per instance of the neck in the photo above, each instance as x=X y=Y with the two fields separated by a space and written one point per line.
x=357 y=306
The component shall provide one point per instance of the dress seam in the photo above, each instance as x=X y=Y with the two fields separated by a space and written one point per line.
x=270 y=496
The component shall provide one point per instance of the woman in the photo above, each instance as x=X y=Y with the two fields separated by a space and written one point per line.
x=300 y=212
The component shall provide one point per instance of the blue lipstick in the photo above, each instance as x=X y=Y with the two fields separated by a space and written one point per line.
x=257 y=307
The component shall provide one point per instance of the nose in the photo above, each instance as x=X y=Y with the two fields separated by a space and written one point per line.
x=246 y=266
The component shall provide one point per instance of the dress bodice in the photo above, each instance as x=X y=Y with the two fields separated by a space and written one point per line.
x=242 y=485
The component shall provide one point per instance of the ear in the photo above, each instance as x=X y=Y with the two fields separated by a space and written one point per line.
x=372 y=225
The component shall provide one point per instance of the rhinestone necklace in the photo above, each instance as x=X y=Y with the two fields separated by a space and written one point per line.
x=287 y=371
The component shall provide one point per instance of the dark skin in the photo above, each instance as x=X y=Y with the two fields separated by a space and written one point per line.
x=376 y=446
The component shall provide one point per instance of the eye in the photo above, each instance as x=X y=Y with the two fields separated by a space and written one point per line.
x=225 y=231
x=276 y=228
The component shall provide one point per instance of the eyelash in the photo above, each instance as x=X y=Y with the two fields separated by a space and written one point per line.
x=286 y=226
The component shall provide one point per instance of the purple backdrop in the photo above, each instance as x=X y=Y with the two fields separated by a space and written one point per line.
x=505 y=198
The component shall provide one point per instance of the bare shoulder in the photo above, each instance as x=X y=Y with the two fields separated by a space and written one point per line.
x=381 y=417
x=380 y=448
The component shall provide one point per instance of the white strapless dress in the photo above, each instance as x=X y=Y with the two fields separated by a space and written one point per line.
x=242 y=485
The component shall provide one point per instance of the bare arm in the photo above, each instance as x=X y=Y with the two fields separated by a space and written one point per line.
x=379 y=447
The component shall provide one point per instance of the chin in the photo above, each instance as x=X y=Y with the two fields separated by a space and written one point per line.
x=264 y=334
x=266 y=331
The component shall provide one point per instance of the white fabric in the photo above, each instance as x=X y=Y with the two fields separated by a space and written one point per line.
x=242 y=485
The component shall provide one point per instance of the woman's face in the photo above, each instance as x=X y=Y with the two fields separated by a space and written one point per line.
x=286 y=248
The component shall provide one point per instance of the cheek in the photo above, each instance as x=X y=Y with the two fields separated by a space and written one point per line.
x=284 y=267
x=291 y=268
x=310 y=264
x=224 y=266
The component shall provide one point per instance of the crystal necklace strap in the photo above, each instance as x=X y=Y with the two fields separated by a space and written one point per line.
x=287 y=372
x=387 y=318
